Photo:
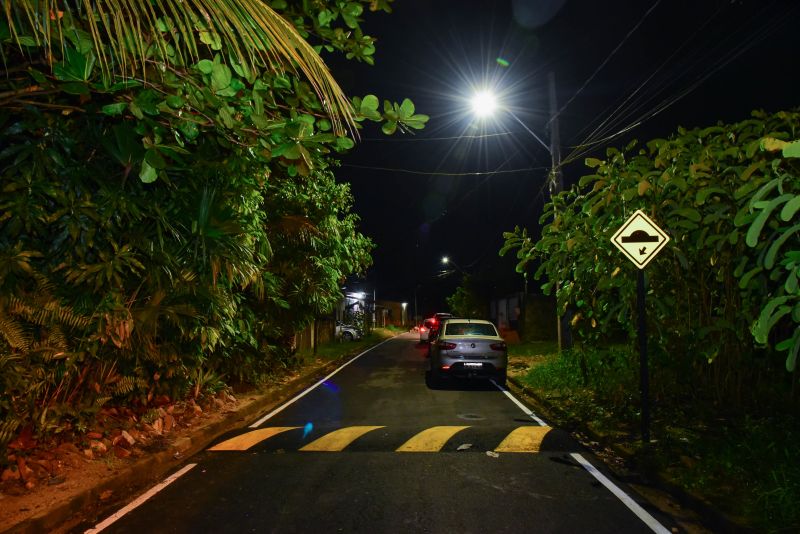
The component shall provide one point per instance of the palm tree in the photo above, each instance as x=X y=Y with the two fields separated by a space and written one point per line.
x=123 y=34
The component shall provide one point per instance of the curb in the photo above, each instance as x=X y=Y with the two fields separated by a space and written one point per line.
x=711 y=518
x=155 y=467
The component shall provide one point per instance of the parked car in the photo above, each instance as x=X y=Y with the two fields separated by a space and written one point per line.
x=431 y=326
x=425 y=329
x=467 y=348
x=347 y=332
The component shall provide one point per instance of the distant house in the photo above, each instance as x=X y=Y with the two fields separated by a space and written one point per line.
x=392 y=312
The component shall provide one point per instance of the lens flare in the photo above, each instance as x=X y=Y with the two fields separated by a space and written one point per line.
x=307 y=429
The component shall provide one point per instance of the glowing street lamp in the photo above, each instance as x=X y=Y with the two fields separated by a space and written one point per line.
x=447 y=261
x=484 y=104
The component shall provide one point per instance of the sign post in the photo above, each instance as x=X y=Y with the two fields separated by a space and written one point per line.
x=640 y=239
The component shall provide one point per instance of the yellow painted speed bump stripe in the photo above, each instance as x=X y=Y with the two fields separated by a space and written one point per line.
x=243 y=442
x=339 y=439
x=431 y=439
x=524 y=439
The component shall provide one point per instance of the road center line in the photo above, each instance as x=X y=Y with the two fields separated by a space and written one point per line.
x=640 y=512
x=107 y=522
x=285 y=405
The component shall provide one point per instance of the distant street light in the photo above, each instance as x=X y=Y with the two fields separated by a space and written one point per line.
x=403 y=316
x=447 y=261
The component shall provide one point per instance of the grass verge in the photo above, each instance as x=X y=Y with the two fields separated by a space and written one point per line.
x=743 y=464
x=333 y=350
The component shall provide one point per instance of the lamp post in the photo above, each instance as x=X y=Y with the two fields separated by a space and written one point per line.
x=403 y=314
x=484 y=104
x=447 y=261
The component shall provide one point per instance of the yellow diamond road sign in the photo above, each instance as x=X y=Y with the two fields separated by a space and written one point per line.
x=640 y=239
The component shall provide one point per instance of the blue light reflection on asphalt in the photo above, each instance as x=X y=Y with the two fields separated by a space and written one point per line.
x=307 y=429
x=331 y=386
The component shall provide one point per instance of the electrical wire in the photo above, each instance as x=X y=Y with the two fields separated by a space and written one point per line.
x=438 y=173
x=606 y=123
x=733 y=53
x=455 y=137
x=604 y=62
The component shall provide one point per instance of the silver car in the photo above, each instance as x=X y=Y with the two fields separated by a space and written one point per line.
x=468 y=348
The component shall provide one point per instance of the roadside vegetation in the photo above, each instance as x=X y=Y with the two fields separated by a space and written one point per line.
x=723 y=309
x=169 y=214
x=742 y=464
x=333 y=350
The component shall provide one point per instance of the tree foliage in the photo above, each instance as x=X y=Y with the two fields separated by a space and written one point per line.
x=723 y=294
x=469 y=300
x=168 y=212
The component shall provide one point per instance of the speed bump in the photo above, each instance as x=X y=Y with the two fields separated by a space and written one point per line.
x=243 y=442
x=521 y=439
x=431 y=439
x=524 y=439
x=338 y=439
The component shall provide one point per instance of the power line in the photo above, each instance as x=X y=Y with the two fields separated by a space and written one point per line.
x=603 y=64
x=455 y=137
x=731 y=54
x=436 y=173
x=608 y=123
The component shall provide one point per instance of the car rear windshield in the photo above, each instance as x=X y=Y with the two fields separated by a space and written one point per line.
x=469 y=329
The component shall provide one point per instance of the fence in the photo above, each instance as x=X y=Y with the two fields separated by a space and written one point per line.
x=320 y=331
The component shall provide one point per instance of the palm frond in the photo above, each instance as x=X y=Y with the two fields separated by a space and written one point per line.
x=14 y=332
x=124 y=30
x=295 y=228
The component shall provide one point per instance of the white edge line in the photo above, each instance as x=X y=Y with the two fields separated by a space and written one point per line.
x=522 y=407
x=307 y=391
x=640 y=512
x=107 y=522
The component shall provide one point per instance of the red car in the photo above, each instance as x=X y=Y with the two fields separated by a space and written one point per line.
x=430 y=327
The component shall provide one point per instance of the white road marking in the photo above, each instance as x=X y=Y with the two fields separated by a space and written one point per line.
x=139 y=501
x=640 y=512
x=285 y=405
x=522 y=407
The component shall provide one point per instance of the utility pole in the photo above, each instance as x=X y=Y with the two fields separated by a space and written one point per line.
x=556 y=179
x=556 y=184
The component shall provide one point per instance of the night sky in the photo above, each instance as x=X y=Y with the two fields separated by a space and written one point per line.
x=454 y=187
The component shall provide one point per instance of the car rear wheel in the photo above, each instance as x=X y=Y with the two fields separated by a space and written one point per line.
x=500 y=379
x=434 y=378
x=347 y=336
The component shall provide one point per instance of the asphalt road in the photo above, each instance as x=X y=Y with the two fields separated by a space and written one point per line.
x=373 y=449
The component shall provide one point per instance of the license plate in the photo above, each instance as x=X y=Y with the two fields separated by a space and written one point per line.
x=472 y=365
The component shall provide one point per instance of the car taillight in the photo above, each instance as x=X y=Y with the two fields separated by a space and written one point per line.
x=498 y=346
x=444 y=345
x=423 y=329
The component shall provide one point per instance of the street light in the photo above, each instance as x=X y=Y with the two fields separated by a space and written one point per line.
x=447 y=261
x=484 y=104
x=403 y=315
